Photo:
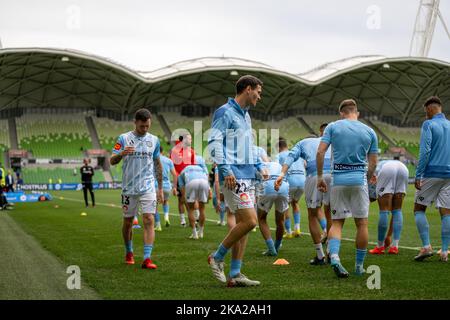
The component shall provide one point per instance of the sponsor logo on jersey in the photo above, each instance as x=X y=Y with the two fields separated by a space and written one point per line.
x=117 y=146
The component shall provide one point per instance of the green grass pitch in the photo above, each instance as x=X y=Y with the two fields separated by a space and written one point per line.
x=94 y=243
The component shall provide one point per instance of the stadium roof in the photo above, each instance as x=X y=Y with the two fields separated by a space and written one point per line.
x=43 y=77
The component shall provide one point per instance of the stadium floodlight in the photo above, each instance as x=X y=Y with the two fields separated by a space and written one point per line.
x=234 y=73
x=65 y=59
x=386 y=65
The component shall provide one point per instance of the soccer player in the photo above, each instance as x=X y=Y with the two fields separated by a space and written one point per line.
x=296 y=181
x=353 y=144
x=87 y=172
x=182 y=156
x=391 y=184
x=433 y=177
x=193 y=182
x=307 y=149
x=141 y=161
x=168 y=168
x=268 y=196
x=231 y=147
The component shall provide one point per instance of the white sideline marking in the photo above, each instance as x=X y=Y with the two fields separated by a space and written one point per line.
x=210 y=220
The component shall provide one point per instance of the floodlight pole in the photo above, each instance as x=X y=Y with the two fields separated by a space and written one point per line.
x=424 y=27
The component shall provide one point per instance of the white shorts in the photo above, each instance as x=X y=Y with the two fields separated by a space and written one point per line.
x=241 y=197
x=434 y=189
x=349 y=201
x=313 y=197
x=130 y=204
x=197 y=190
x=295 y=193
x=265 y=202
x=392 y=178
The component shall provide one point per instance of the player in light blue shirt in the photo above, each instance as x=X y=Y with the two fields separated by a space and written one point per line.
x=353 y=143
x=168 y=187
x=268 y=196
x=140 y=152
x=194 y=185
x=307 y=149
x=433 y=177
x=296 y=179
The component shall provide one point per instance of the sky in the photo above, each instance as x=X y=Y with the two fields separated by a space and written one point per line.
x=291 y=35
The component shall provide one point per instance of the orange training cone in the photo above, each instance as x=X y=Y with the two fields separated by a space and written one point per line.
x=281 y=262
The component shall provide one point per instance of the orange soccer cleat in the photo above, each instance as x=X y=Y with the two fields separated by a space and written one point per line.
x=129 y=258
x=377 y=250
x=148 y=264
x=393 y=250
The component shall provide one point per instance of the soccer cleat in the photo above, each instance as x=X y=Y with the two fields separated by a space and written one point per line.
x=423 y=254
x=393 y=250
x=148 y=264
x=158 y=228
x=440 y=251
x=443 y=257
x=183 y=224
x=377 y=250
x=359 y=270
x=297 y=233
x=288 y=235
x=223 y=223
x=193 y=236
x=217 y=268
x=129 y=258
x=241 y=280
x=219 y=222
x=167 y=223
x=269 y=253
x=339 y=270
x=318 y=262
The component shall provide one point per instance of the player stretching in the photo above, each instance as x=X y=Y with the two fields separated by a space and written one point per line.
x=268 y=196
x=231 y=147
x=296 y=180
x=307 y=149
x=433 y=177
x=140 y=153
x=193 y=182
x=391 y=185
x=352 y=144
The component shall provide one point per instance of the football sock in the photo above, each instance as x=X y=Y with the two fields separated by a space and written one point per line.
x=277 y=244
x=270 y=245
x=382 y=227
x=445 y=232
x=423 y=227
x=319 y=250
x=148 y=251
x=129 y=246
x=166 y=211
x=397 y=223
x=287 y=225
x=219 y=255
x=235 y=267
x=323 y=224
x=297 y=220
x=360 y=256
x=334 y=246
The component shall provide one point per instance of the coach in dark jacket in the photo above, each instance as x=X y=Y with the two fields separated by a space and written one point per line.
x=87 y=172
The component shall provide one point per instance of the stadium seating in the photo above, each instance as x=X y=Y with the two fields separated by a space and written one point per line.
x=4 y=135
x=55 y=136
x=57 y=175
x=315 y=121
x=408 y=138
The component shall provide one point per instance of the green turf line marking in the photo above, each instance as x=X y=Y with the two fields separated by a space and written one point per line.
x=210 y=220
x=28 y=271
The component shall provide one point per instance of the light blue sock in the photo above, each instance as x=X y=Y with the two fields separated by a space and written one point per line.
x=148 y=251
x=397 y=222
x=219 y=255
x=166 y=210
x=129 y=246
x=157 y=218
x=360 y=256
x=270 y=245
x=297 y=217
x=287 y=225
x=445 y=232
x=278 y=244
x=423 y=227
x=235 y=267
x=383 y=223
x=323 y=224
x=222 y=211
x=334 y=246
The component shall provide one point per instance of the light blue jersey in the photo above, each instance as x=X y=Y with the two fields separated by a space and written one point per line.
x=307 y=149
x=201 y=162
x=268 y=186
x=260 y=153
x=296 y=173
x=137 y=169
x=167 y=166
x=230 y=142
x=434 y=155
x=351 y=141
x=190 y=173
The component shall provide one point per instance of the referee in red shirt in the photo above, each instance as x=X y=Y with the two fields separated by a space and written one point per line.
x=182 y=155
